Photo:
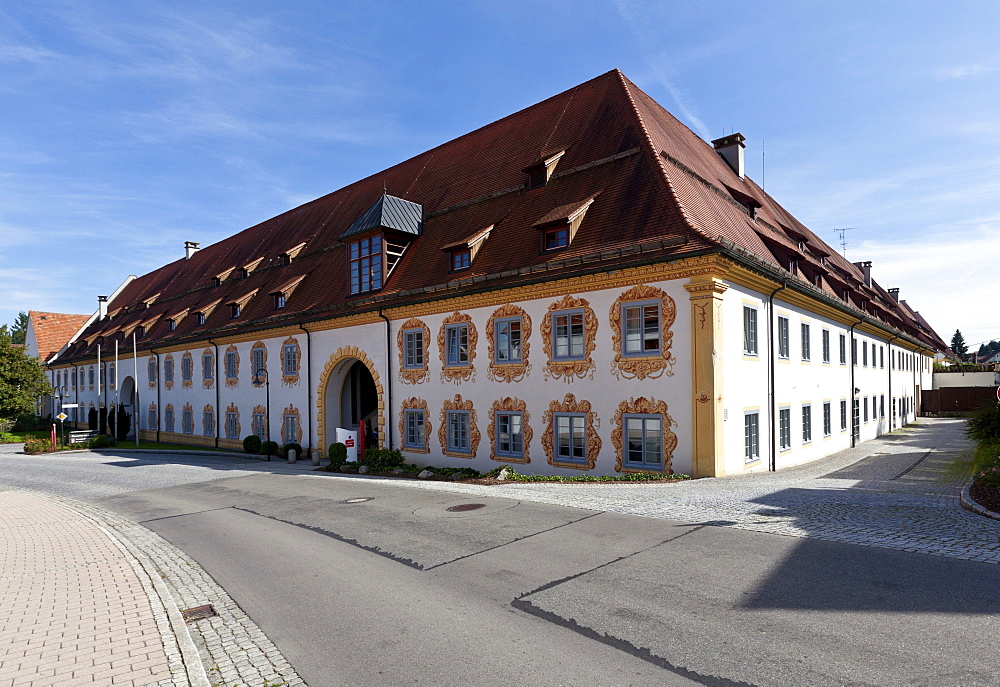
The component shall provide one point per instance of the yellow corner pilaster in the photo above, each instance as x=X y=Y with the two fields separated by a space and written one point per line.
x=706 y=369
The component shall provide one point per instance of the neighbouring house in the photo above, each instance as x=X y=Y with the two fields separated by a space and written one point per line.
x=47 y=334
x=582 y=286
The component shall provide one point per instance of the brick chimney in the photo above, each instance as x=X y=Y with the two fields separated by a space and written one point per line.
x=731 y=149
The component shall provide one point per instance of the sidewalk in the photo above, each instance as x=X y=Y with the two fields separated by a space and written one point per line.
x=73 y=608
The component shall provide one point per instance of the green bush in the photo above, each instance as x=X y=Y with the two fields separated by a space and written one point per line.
x=987 y=474
x=251 y=444
x=984 y=425
x=269 y=448
x=288 y=447
x=101 y=441
x=34 y=446
x=383 y=460
x=337 y=453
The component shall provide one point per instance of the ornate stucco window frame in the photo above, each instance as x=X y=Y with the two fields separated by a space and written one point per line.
x=510 y=405
x=569 y=368
x=638 y=365
x=668 y=439
x=514 y=370
x=592 y=442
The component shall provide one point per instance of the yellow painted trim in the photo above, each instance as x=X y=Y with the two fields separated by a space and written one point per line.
x=708 y=458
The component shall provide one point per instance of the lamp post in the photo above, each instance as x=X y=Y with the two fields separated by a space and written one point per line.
x=267 y=405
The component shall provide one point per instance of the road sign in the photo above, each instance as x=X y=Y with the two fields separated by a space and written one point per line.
x=998 y=393
x=61 y=416
x=70 y=405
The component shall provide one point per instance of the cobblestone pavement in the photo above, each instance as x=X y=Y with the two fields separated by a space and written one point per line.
x=899 y=492
x=129 y=583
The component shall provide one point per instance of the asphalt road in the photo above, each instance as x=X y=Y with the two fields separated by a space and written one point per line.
x=400 y=590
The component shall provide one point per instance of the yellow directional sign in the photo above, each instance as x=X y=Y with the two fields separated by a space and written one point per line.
x=62 y=416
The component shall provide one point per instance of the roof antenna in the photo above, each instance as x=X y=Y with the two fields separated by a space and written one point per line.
x=843 y=238
x=762 y=164
x=383 y=186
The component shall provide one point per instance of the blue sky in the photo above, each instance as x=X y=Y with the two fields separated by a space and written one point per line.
x=128 y=128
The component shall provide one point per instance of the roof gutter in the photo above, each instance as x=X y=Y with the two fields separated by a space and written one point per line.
x=388 y=380
x=772 y=404
x=309 y=406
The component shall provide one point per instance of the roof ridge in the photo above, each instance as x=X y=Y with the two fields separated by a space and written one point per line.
x=625 y=84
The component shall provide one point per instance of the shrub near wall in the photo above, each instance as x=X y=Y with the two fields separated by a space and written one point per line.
x=984 y=428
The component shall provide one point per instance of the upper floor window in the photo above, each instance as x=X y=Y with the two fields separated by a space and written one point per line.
x=843 y=349
x=207 y=366
x=140 y=330
x=366 y=264
x=171 y=325
x=235 y=310
x=457 y=345
x=556 y=238
x=290 y=359
x=413 y=348
x=783 y=345
x=232 y=364
x=826 y=345
x=461 y=259
x=749 y=330
x=864 y=353
x=258 y=358
x=201 y=317
x=806 y=343
x=507 y=333
x=568 y=334
x=187 y=368
x=641 y=326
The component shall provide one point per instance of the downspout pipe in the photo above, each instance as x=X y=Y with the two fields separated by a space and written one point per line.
x=388 y=384
x=159 y=408
x=309 y=349
x=772 y=410
x=218 y=408
x=889 y=347
x=76 y=393
x=855 y=428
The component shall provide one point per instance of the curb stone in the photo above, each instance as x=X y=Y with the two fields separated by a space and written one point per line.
x=228 y=650
x=970 y=505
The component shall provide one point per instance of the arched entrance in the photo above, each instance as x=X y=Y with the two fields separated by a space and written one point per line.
x=126 y=397
x=349 y=391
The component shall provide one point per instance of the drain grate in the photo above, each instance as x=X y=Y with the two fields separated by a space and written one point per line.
x=197 y=613
x=358 y=499
x=462 y=507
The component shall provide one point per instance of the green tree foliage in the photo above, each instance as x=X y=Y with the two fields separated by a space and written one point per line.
x=19 y=330
x=986 y=350
x=22 y=379
x=958 y=345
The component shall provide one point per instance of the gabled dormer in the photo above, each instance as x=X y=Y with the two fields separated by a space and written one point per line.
x=462 y=253
x=281 y=294
x=285 y=259
x=377 y=241
x=539 y=172
x=559 y=226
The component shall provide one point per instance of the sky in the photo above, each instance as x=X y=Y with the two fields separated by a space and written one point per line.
x=129 y=128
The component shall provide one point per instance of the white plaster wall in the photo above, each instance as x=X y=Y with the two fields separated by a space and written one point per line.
x=958 y=379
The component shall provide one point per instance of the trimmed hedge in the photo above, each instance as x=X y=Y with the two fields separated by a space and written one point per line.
x=251 y=444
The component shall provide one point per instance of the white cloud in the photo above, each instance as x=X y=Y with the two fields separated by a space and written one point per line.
x=24 y=53
x=964 y=71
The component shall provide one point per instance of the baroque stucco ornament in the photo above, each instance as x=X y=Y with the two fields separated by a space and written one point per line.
x=414 y=403
x=233 y=381
x=643 y=366
x=508 y=372
x=570 y=369
x=293 y=378
x=413 y=375
x=644 y=406
x=474 y=436
x=458 y=373
x=510 y=405
x=593 y=440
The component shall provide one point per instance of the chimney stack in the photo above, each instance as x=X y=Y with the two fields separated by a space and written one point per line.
x=102 y=307
x=731 y=149
x=866 y=268
x=895 y=294
x=190 y=248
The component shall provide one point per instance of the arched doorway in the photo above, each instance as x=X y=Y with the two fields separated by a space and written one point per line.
x=126 y=398
x=349 y=391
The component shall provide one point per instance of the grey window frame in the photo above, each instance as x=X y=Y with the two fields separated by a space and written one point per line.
x=208 y=423
x=806 y=341
x=187 y=421
x=511 y=451
x=458 y=425
x=290 y=423
x=452 y=331
x=413 y=418
x=641 y=306
x=187 y=368
x=292 y=350
x=843 y=415
x=254 y=354
x=570 y=315
x=413 y=349
x=807 y=430
x=626 y=441
x=207 y=366
x=557 y=445
x=864 y=354
x=168 y=371
x=259 y=421
x=168 y=419
x=826 y=345
x=751 y=436
x=843 y=349
x=784 y=429
x=232 y=419
x=151 y=371
x=864 y=401
x=783 y=342
x=508 y=348
x=749 y=330
x=150 y=419
x=231 y=371
x=827 y=419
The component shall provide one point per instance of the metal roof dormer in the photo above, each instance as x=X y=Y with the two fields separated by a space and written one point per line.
x=392 y=213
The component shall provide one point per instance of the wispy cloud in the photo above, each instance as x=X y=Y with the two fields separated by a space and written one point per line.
x=964 y=71
x=25 y=53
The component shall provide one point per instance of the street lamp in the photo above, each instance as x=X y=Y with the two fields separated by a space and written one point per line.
x=267 y=405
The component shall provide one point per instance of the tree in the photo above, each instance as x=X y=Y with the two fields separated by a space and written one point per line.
x=958 y=345
x=22 y=379
x=19 y=330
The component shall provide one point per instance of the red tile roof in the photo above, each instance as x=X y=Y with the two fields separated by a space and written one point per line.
x=52 y=330
x=652 y=181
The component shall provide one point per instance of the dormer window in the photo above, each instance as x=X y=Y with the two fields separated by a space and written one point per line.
x=242 y=273
x=541 y=171
x=366 y=262
x=284 y=260
x=235 y=310
x=201 y=318
x=140 y=330
x=555 y=239
x=171 y=325
x=559 y=226
x=461 y=259
x=216 y=281
x=279 y=301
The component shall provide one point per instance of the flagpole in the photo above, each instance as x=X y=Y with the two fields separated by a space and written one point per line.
x=99 y=388
x=135 y=409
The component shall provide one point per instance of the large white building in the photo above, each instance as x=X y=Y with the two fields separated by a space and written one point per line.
x=584 y=285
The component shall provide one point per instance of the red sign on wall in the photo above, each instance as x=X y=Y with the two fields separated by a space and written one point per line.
x=349 y=443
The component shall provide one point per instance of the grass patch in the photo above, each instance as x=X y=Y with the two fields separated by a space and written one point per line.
x=21 y=437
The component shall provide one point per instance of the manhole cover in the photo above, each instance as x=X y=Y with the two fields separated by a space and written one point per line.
x=199 y=613
x=462 y=507
x=359 y=499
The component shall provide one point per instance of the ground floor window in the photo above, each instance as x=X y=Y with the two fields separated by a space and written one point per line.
x=807 y=424
x=644 y=434
x=416 y=430
x=865 y=413
x=570 y=437
x=843 y=415
x=785 y=428
x=232 y=421
x=881 y=406
x=827 y=421
x=151 y=419
x=168 y=419
x=208 y=423
x=291 y=425
x=751 y=436
x=458 y=431
x=510 y=435
x=187 y=421
x=259 y=425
